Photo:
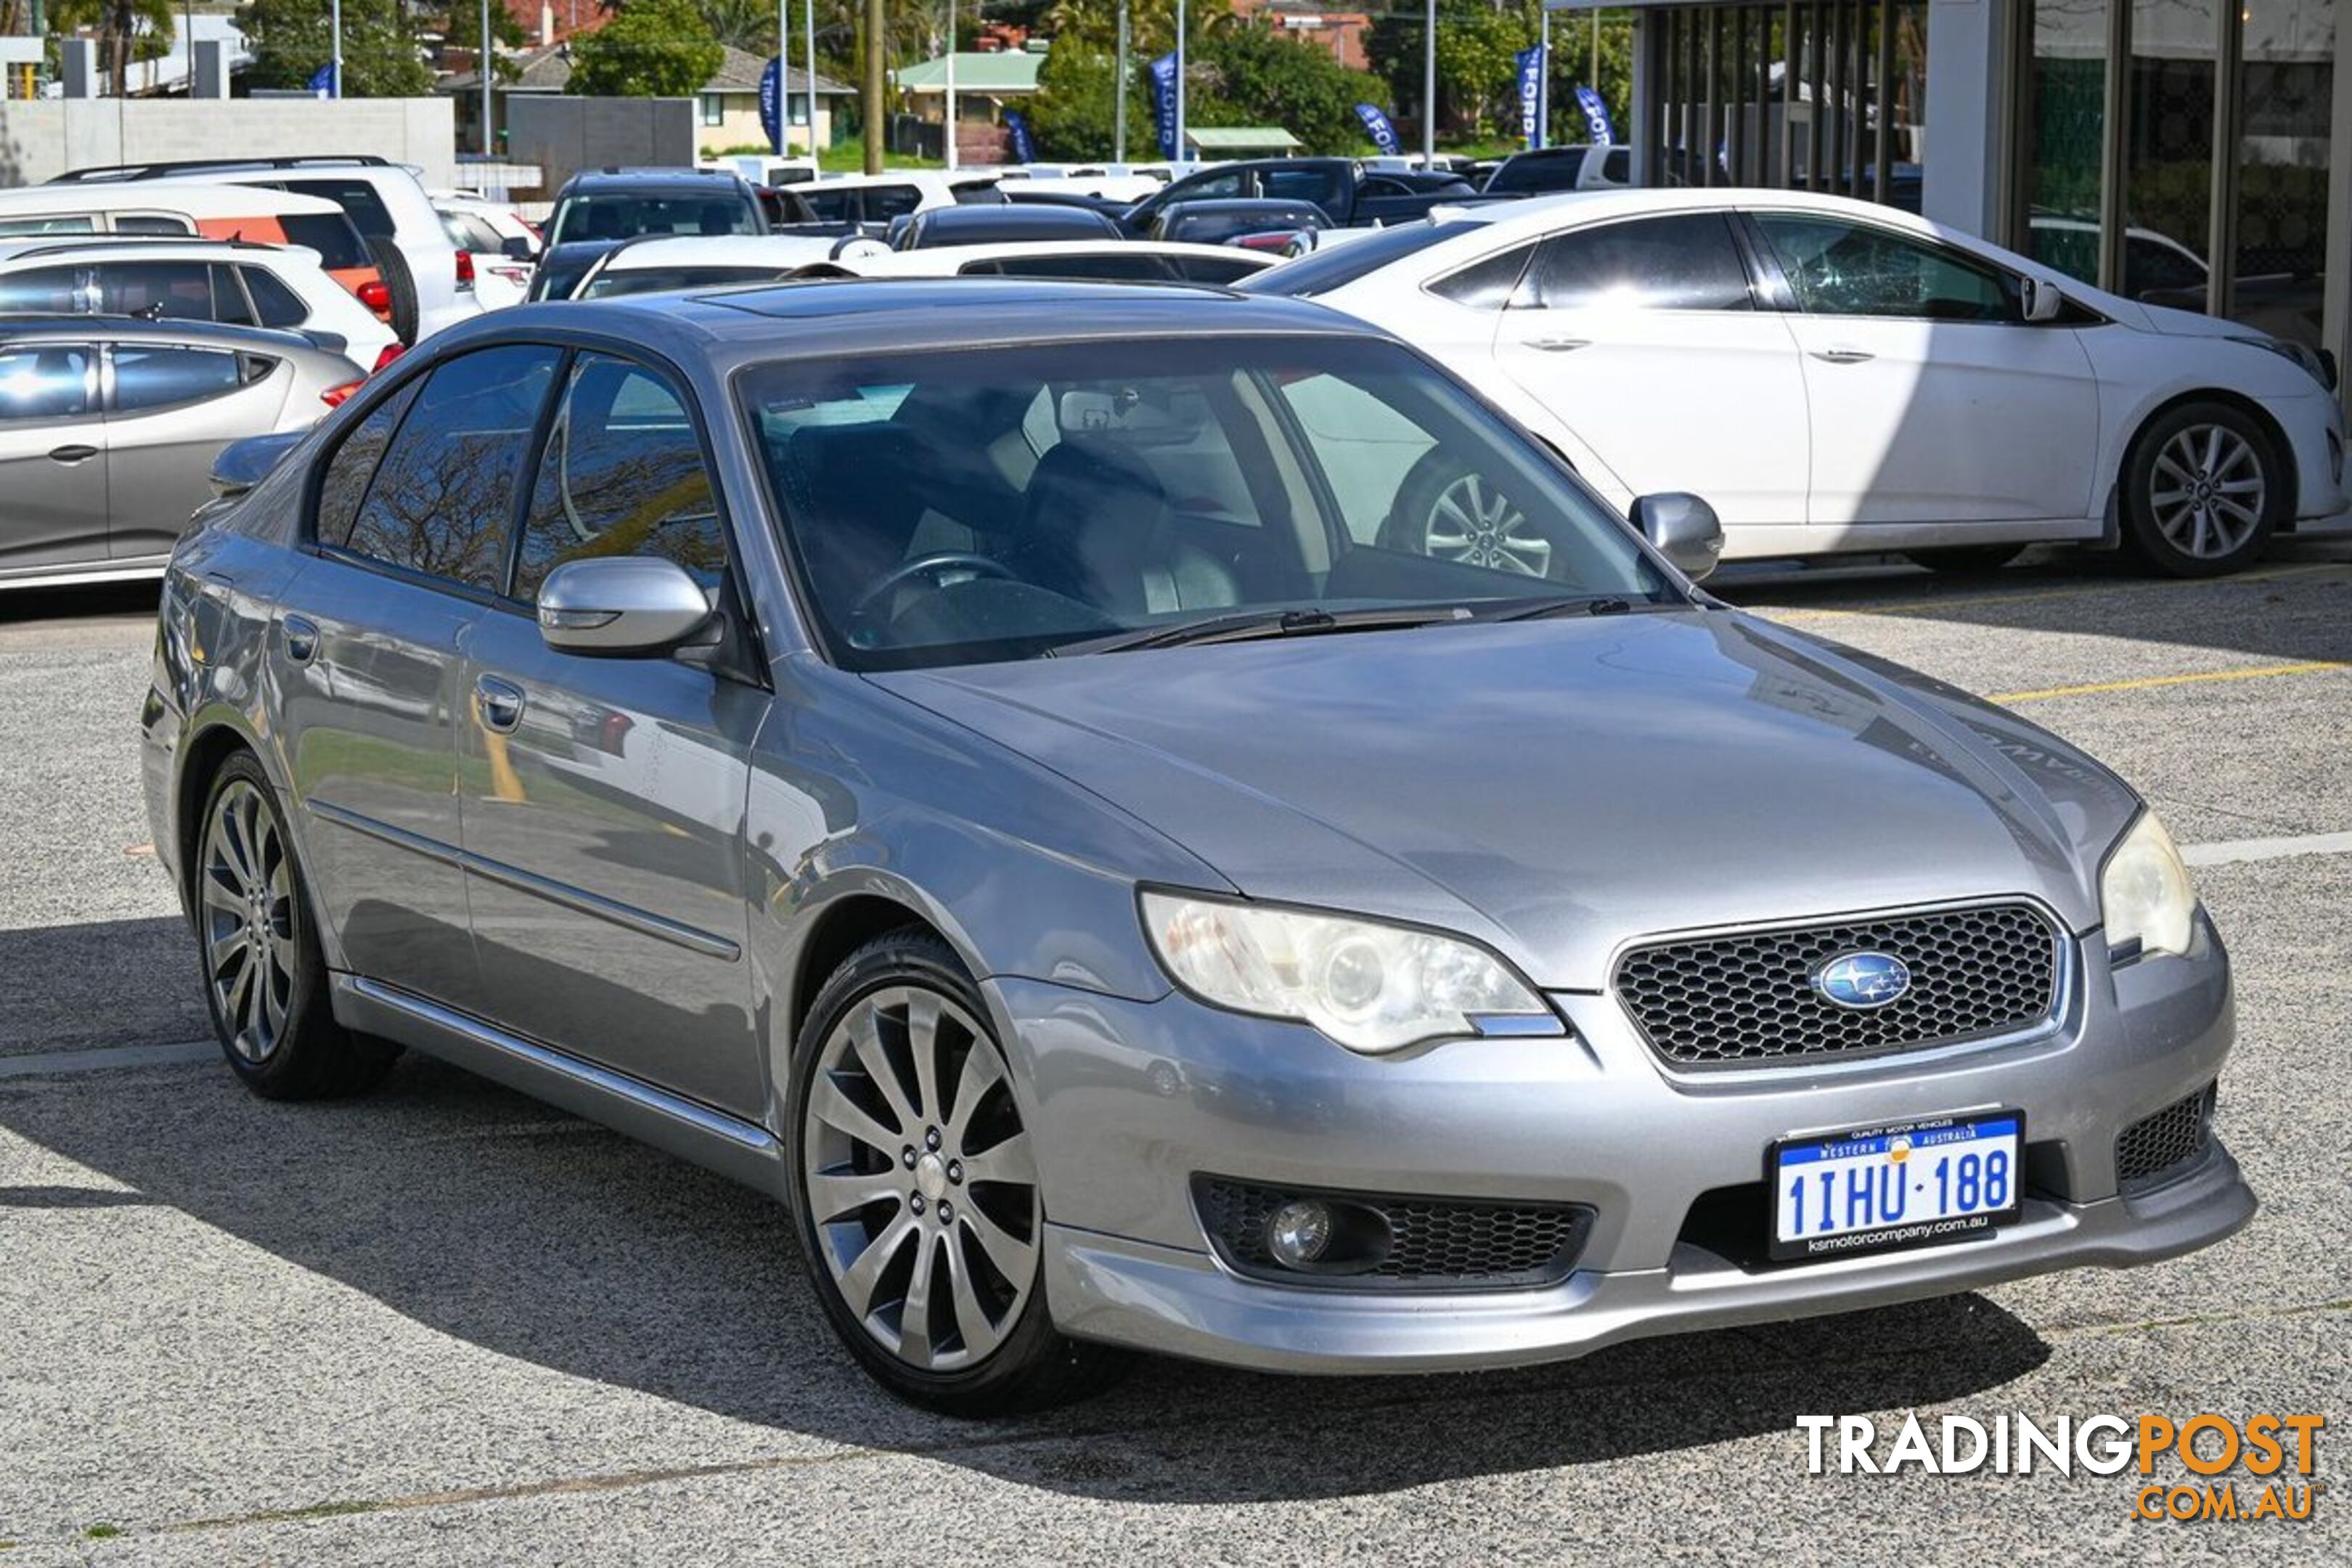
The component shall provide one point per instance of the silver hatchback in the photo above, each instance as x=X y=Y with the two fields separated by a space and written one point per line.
x=1018 y=795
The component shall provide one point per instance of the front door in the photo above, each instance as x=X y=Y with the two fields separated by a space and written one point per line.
x=605 y=798
x=1643 y=337
x=52 y=457
x=1933 y=399
x=413 y=524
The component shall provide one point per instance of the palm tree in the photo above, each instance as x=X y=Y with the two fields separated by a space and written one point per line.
x=121 y=26
x=746 y=25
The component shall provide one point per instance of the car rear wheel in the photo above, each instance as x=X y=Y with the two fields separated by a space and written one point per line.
x=1450 y=513
x=2203 y=491
x=265 y=976
x=916 y=1189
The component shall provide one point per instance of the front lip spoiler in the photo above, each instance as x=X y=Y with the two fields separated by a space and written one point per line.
x=1175 y=1302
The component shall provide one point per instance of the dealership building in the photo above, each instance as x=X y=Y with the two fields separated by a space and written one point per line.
x=2188 y=152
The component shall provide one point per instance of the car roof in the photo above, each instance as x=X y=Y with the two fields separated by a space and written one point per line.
x=143 y=248
x=649 y=179
x=930 y=262
x=860 y=316
x=1007 y=214
x=212 y=333
x=779 y=250
x=194 y=198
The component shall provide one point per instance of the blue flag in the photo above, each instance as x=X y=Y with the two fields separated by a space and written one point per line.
x=1596 y=116
x=322 y=81
x=1531 y=78
x=1024 y=146
x=771 y=103
x=1383 y=134
x=1163 y=101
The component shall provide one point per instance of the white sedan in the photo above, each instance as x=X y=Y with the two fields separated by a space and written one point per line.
x=1833 y=375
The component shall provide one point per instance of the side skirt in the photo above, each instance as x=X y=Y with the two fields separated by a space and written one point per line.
x=739 y=1149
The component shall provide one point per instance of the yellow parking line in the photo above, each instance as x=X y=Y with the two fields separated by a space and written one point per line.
x=2146 y=682
x=1946 y=603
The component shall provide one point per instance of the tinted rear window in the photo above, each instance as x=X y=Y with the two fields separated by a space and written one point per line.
x=1555 y=171
x=1320 y=271
x=335 y=237
x=357 y=198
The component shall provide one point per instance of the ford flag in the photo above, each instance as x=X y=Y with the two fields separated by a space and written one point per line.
x=1024 y=146
x=1596 y=117
x=1531 y=78
x=1163 y=101
x=322 y=81
x=771 y=103
x=1383 y=134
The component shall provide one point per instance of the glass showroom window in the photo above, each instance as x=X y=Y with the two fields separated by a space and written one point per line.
x=2281 y=216
x=2062 y=134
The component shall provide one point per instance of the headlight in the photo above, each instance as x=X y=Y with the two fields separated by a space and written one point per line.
x=2145 y=893
x=1369 y=986
x=2321 y=366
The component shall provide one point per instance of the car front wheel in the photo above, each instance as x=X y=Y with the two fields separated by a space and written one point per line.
x=915 y=1187
x=2203 y=491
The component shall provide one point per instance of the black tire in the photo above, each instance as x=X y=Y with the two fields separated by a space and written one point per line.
x=1965 y=560
x=2153 y=471
x=303 y=1053
x=400 y=282
x=1032 y=1366
x=1484 y=527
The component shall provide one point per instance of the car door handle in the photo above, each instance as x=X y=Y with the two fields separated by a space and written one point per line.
x=1843 y=355
x=499 y=704
x=72 y=454
x=1559 y=346
x=301 y=638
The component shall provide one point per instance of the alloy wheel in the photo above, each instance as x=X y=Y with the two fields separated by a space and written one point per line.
x=1474 y=524
x=2207 y=490
x=921 y=1187
x=246 y=895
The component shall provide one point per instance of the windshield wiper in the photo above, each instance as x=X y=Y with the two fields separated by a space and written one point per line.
x=1589 y=603
x=1255 y=625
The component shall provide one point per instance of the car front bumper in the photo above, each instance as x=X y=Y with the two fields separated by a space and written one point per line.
x=1128 y=1102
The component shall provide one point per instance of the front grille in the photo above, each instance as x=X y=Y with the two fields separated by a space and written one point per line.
x=1429 y=1243
x=1748 y=998
x=2155 y=1146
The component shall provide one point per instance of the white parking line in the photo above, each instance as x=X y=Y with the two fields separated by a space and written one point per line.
x=45 y=1064
x=2237 y=851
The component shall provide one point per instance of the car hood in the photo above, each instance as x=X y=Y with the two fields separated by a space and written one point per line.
x=1555 y=788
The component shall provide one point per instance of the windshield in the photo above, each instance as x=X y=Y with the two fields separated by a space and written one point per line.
x=961 y=507
x=1320 y=271
x=617 y=215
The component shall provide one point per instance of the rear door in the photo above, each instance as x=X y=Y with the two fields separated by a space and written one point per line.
x=1933 y=399
x=411 y=525
x=170 y=408
x=604 y=798
x=52 y=456
x=1644 y=337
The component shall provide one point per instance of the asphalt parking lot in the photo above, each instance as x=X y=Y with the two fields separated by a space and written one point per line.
x=445 y=1324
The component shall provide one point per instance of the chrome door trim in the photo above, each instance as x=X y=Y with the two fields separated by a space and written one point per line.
x=627 y=916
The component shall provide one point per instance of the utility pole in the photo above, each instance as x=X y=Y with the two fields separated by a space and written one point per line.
x=808 y=21
x=784 y=81
x=1119 y=104
x=1429 y=90
x=875 y=23
x=335 y=79
x=951 y=128
x=1180 y=83
x=489 y=68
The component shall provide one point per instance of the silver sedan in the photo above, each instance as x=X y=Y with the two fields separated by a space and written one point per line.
x=1024 y=797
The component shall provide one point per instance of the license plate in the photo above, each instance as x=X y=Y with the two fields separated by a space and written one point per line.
x=1899 y=1186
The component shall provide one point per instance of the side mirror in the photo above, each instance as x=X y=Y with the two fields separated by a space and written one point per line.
x=2043 y=300
x=518 y=248
x=621 y=607
x=1685 y=530
x=241 y=465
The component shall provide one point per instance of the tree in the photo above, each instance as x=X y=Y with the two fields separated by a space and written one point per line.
x=291 y=39
x=651 y=49
x=125 y=28
x=1478 y=77
x=1257 y=76
x=746 y=25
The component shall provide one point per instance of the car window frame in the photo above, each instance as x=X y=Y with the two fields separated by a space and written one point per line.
x=1742 y=249
x=1766 y=257
x=112 y=409
x=355 y=413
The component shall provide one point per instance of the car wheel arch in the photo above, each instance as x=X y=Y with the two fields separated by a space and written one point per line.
x=2282 y=448
x=839 y=929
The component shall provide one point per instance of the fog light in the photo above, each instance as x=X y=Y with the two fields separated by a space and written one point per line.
x=1299 y=1233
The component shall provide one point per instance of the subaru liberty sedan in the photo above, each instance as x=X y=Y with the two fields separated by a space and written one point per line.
x=971 y=761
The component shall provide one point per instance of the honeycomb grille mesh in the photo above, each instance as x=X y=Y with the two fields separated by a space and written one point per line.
x=1748 y=998
x=2154 y=1145
x=1431 y=1242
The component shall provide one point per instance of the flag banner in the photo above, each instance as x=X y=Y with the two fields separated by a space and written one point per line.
x=1596 y=117
x=1531 y=79
x=771 y=103
x=1024 y=146
x=1376 y=123
x=1163 y=101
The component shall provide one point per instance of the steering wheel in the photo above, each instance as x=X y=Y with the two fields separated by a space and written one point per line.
x=923 y=567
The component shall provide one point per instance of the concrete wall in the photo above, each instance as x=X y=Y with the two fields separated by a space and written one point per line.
x=46 y=137
x=564 y=135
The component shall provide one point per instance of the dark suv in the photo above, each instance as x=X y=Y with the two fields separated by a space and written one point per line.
x=598 y=210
